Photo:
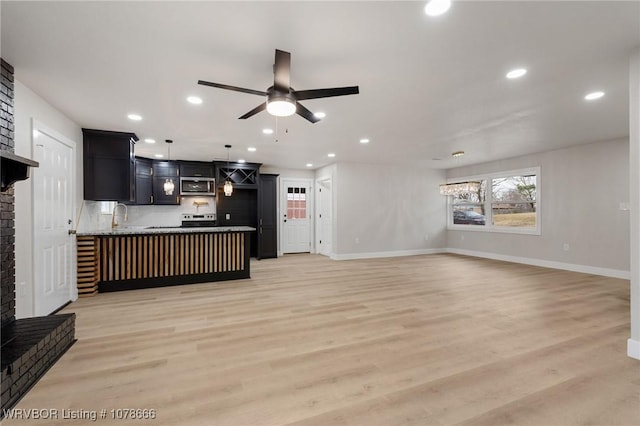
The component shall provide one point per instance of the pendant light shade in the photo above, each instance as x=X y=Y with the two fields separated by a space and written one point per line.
x=168 y=186
x=228 y=186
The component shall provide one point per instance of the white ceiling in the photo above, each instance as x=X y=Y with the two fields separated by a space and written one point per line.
x=428 y=86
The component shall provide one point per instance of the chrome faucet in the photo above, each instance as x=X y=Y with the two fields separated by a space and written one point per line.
x=114 y=220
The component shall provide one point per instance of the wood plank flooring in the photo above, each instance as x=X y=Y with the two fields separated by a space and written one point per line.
x=421 y=340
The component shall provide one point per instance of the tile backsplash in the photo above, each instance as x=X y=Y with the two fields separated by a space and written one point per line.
x=96 y=215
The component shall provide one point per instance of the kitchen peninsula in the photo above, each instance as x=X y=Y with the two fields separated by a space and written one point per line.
x=144 y=257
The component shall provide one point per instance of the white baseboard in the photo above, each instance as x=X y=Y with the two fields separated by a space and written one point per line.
x=377 y=254
x=585 y=269
x=633 y=348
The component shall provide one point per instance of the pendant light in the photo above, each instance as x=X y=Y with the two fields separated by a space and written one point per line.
x=228 y=186
x=168 y=183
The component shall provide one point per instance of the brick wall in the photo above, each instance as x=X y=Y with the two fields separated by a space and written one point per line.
x=30 y=346
x=7 y=214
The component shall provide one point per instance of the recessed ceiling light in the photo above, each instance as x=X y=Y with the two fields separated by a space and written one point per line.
x=242 y=160
x=149 y=140
x=309 y=165
x=194 y=100
x=267 y=131
x=517 y=73
x=331 y=155
x=134 y=117
x=320 y=114
x=364 y=140
x=437 y=7
x=457 y=154
x=251 y=149
x=593 y=96
x=158 y=155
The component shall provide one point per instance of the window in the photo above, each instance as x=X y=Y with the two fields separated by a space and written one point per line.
x=296 y=203
x=513 y=201
x=469 y=208
x=505 y=202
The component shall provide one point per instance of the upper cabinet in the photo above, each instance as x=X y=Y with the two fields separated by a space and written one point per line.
x=241 y=175
x=166 y=168
x=144 y=181
x=196 y=169
x=166 y=182
x=109 y=165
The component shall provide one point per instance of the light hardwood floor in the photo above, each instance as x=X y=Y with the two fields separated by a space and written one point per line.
x=421 y=340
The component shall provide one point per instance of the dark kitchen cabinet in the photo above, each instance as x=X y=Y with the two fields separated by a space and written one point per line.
x=241 y=175
x=108 y=165
x=144 y=181
x=267 y=217
x=240 y=209
x=163 y=172
x=196 y=169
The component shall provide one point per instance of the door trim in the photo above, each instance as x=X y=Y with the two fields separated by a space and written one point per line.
x=308 y=182
x=318 y=232
x=40 y=127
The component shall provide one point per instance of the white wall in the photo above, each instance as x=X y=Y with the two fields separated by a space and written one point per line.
x=581 y=189
x=633 y=344
x=29 y=106
x=385 y=210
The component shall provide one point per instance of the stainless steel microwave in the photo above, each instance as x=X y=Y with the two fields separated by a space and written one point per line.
x=198 y=186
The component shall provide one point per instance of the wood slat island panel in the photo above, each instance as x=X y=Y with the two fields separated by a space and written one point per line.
x=117 y=261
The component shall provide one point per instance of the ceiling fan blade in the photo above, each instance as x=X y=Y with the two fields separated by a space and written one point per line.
x=254 y=111
x=234 y=88
x=281 y=71
x=305 y=113
x=326 y=93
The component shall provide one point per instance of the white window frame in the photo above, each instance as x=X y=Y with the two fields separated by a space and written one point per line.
x=489 y=227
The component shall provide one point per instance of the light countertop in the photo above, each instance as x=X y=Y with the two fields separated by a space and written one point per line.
x=143 y=230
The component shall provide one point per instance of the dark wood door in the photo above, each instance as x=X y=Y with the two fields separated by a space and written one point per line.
x=108 y=165
x=267 y=217
x=196 y=169
x=240 y=209
x=160 y=196
x=143 y=188
x=165 y=172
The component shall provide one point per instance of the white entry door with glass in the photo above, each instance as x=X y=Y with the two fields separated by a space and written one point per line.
x=296 y=220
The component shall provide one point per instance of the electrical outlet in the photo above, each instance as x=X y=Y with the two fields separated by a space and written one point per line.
x=23 y=289
x=227 y=216
x=565 y=247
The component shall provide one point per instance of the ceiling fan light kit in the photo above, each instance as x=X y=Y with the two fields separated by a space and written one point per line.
x=281 y=105
x=281 y=99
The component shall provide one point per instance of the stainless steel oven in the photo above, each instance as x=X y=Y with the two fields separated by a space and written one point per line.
x=198 y=186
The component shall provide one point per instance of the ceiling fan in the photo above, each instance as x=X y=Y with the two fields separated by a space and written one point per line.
x=282 y=99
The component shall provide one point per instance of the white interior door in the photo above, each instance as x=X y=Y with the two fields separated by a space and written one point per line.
x=296 y=220
x=53 y=185
x=325 y=220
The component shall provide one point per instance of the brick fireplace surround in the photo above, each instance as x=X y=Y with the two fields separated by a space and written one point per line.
x=30 y=346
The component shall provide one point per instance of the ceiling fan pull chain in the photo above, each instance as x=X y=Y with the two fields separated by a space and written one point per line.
x=276 y=128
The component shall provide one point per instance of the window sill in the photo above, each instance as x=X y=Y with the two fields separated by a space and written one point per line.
x=494 y=229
